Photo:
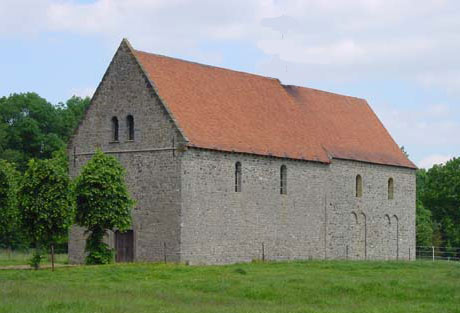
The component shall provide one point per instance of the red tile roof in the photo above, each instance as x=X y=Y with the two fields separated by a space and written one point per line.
x=227 y=110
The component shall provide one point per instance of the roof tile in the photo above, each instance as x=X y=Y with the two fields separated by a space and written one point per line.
x=235 y=111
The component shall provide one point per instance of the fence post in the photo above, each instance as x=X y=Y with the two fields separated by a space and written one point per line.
x=52 y=257
x=164 y=250
x=347 y=252
x=432 y=251
x=263 y=252
x=409 y=253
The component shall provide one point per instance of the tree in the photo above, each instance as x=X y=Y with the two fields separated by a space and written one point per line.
x=103 y=203
x=31 y=127
x=71 y=114
x=424 y=223
x=9 y=231
x=46 y=205
x=441 y=195
x=3 y=138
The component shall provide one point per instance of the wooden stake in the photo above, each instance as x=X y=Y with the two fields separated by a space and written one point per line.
x=263 y=252
x=52 y=257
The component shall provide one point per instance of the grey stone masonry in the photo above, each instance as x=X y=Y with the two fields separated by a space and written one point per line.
x=151 y=162
x=372 y=226
x=187 y=209
x=315 y=219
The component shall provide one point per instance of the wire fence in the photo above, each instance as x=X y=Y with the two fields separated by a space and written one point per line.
x=431 y=253
x=9 y=257
x=220 y=255
x=427 y=253
x=438 y=253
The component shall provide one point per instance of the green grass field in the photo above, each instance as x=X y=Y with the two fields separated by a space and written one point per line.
x=310 y=286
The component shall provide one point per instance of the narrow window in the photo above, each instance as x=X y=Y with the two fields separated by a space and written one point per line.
x=114 y=128
x=283 y=180
x=130 y=125
x=365 y=234
x=397 y=235
x=238 y=177
x=390 y=189
x=359 y=186
x=354 y=218
x=387 y=220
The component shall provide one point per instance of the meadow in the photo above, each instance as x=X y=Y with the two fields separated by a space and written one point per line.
x=301 y=286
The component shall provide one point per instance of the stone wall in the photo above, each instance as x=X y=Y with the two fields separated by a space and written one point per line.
x=373 y=226
x=186 y=199
x=151 y=162
x=315 y=219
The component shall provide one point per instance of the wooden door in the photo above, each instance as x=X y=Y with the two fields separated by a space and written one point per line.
x=124 y=246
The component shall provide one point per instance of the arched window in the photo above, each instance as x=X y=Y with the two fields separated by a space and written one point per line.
x=359 y=186
x=396 y=219
x=283 y=180
x=391 y=195
x=238 y=177
x=387 y=220
x=114 y=128
x=354 y=218
x=364 y=218
x=130 y=127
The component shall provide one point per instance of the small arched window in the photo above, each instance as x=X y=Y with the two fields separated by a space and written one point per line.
x=130 y=127
x=387 y=220
x=359 y=186
x=354 y=218
x=238 y=177
x=114 y=128
x=391 y=189
x=283 y=180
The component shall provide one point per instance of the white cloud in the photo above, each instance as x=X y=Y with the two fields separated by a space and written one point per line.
x=431 y=160
x=412 y=39
x=433 y=126
x=20 y=16
x=428 y=133
x=82 y=92
x=172 y=27
x=303 y=41
x=448 y=79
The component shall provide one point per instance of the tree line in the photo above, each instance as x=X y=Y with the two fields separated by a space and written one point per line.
x=38 y=200
x=39 y=206
x=33 y=175
x=438 y=206
x=33 y=128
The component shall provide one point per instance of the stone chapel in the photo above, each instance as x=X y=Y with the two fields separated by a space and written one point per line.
x=227 y=166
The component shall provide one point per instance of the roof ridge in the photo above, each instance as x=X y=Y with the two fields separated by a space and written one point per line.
x=243 y=72
x=324 y=91
x=207 y=65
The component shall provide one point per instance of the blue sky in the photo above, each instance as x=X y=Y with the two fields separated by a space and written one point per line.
x=402 y=56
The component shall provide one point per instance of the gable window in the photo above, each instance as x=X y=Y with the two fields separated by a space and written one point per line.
x=390 y=189
x=114 y=128
x=130 y=127
x=359 y=186
x=283 y=180
x=238 y=177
